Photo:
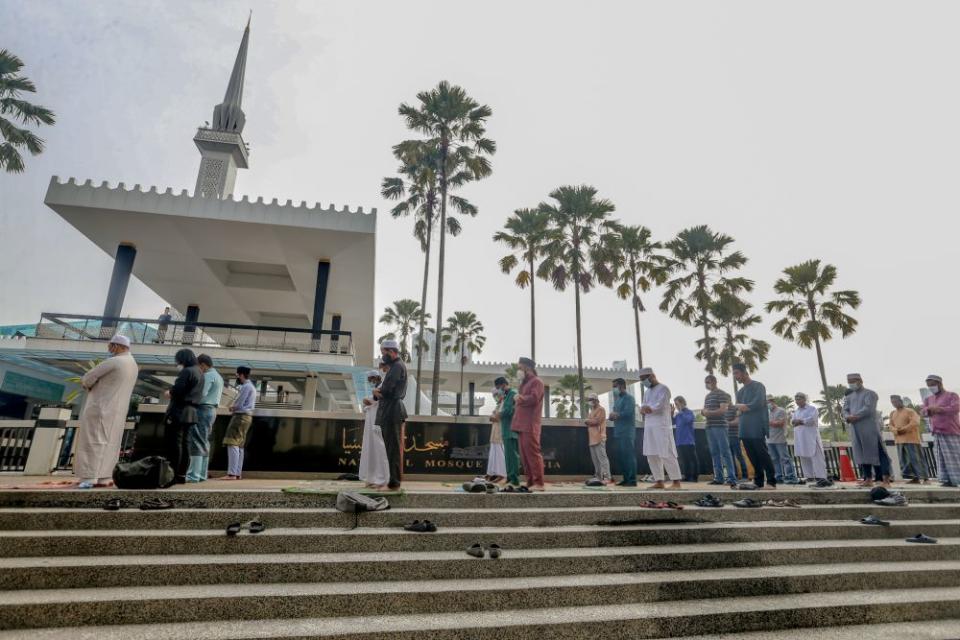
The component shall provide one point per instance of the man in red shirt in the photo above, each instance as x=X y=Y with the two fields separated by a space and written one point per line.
x=526 y=422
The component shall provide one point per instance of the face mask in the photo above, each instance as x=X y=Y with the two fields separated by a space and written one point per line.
x=646 y=383
x=179 y=367
x=855 y=386
x=933 y=390
x=616 y=393
x=239 y=382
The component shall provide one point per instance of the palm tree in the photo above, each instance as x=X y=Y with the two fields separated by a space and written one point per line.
x=698 y=262
x=730 y=317
x=12 y=84
x=416 y=188
x=455 y=123
x=524 y=233
x=463 y=335
x=565 y=400
x=812 y=312
x=830 y=404
x=639 y=267
x=784 y=402
x=576 y=250
x=403 y=316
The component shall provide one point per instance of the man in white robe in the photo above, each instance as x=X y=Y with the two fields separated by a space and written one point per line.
x=807 y=443
x=659 y=446
x=104 y=415
x=374 y=468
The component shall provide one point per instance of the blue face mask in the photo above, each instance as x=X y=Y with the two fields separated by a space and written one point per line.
x=646 y=383
x=616 y=393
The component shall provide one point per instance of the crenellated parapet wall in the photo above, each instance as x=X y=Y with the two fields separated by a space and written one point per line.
x=168 y=202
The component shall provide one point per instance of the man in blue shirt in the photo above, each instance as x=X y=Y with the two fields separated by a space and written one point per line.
x=754 y=425
x=236 y=435
x=199 y=439
x=625 y=432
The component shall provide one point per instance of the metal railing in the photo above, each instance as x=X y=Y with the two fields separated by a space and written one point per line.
x=67 y=326
x=68 y=440
x=14 y=447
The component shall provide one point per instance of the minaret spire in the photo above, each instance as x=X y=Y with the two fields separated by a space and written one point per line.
x=228 y=115
x=221 y=146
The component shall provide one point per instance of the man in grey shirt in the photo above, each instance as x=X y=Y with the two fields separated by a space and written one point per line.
x=777 y=445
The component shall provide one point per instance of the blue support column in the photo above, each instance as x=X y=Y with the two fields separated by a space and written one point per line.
x=335 y=339
x=119 y=279
x=189 y=329
x=319 y=303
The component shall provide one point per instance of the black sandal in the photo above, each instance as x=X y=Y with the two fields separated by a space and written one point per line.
x=253 y=526
x=113 y=504
x=494 y=550
x=475 y=550
x=421 y=526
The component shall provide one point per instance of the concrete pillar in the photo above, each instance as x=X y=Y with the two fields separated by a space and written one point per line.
x=471 y=398
x=190 y=329
x=319 y=303
x=310 y=393
x=45 y=444
x=119 y=279
x=546 y=400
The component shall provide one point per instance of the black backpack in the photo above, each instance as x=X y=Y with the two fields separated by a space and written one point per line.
x=153 y=472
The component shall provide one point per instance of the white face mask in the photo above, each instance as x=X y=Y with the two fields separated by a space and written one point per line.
x=855 y=386
x=933 y=390
x=646 y=383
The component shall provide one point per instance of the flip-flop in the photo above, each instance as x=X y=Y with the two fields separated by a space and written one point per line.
x=509 y=489
x=155 y=504
x=475 y=550
x=923 y=539
x=871 y=519
x=523 y=489
x=113 y=504
x=494 y=550
x=671 y=505
x=650 y=504
x=474 y=487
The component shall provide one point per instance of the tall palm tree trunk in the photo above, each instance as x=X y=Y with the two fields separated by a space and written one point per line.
x=462 y=362
x=435 y=391
x=423 y=305
x=826 y=396
x=533 y=316
x=636 y=325
x=576 y=293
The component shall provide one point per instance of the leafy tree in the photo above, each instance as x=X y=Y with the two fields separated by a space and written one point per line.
x=699 y=260
x=463 y=335
x=638 y=266
x=416 y=189
x=13 y=108
x=565 y=399
x=525 y=234
x=576 y=252
x=403 y=316
x=784 y=402
x=812 y=312
x=730 y=318
x=456 y=124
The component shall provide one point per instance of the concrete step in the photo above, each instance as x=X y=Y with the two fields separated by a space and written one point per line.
x=224 y=498
x=86 y=542
x=634 y=620
x=246 y=568
x=53 y=518
x=31 y=609
x=929 y=630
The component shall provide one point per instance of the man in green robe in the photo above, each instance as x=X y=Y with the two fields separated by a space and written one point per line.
x=511 y=443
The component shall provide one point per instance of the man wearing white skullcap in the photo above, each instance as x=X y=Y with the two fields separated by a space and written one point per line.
x=104 y=415
x=374 y=466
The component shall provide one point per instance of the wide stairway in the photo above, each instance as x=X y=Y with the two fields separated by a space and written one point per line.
x=575 y=564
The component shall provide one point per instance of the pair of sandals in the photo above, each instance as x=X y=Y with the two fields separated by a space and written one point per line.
x=782 y=503
x=150 y=504
x=709 y=501
x=253 y=526
x=510 y=488
x=477 y=550
x=421 y=526
x=651 y=504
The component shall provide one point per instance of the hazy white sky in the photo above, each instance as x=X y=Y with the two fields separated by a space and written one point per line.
x=803 y=129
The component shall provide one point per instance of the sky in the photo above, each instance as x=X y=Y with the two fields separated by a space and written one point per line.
x=802 y=129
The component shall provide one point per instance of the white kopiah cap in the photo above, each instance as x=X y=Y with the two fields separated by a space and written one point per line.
x=123 y=341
